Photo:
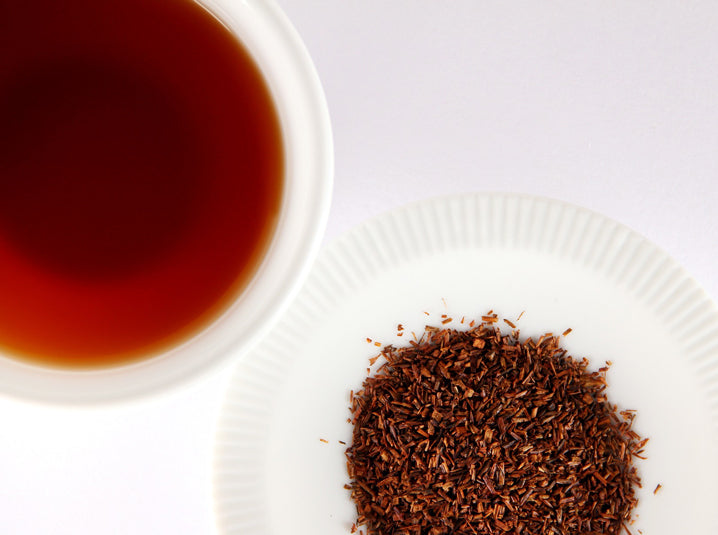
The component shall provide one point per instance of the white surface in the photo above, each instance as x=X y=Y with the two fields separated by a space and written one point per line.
x=607 y=105
x=309 y=164
x=552 y=264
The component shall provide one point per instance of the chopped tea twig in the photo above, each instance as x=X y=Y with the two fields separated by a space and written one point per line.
x=476 y=432
x=658 y=487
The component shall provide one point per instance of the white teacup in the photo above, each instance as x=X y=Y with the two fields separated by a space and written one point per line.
x=297 y=93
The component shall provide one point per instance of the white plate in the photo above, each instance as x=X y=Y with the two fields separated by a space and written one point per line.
x=626 y=301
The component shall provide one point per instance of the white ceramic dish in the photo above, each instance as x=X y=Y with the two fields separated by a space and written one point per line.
x=626 y=301
x=299 y=97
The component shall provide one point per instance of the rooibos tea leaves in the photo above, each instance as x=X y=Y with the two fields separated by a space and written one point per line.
x=475 y=431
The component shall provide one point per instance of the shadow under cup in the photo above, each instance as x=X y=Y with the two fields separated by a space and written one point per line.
x=142 y=177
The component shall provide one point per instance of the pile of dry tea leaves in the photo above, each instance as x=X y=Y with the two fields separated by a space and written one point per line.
x=477 y=432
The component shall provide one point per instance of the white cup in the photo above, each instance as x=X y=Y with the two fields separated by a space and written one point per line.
x=293 y=82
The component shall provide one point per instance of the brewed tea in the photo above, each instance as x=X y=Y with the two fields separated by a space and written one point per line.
x=141 y=176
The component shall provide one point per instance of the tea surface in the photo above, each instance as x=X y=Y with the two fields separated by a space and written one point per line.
x=141 y=175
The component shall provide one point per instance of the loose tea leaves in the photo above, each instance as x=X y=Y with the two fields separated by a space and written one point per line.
x=478 y=432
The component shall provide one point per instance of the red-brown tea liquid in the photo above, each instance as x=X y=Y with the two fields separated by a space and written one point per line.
x=141 y=175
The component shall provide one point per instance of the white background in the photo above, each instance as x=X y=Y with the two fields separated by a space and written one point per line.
x=609 y=105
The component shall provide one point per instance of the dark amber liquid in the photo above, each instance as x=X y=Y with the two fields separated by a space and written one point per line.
x=141 y=175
